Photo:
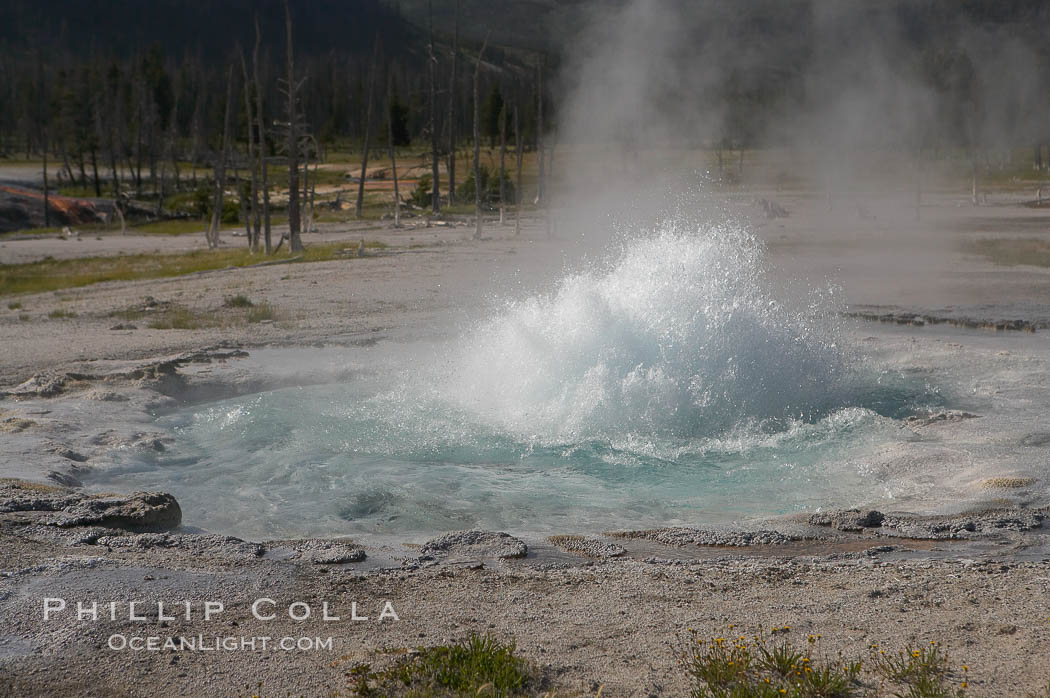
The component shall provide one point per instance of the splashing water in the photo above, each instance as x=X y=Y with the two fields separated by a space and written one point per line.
x=675 y=384
x=684 y=336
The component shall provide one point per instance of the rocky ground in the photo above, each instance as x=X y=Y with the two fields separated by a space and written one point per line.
x=593 y=612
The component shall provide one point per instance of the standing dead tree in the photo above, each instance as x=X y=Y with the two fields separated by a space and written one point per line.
x=309 y=186
x=390 y=146
x=253 y=162
x=171 y=146
x=452 y=113
x=520 y=154
x=502 y=160
x=268 y=247
x=220 y=168
x=435 y=193
x=477 y=142
x=294 y=126
x=41 y=122
x=540 y=183
x=368 y=129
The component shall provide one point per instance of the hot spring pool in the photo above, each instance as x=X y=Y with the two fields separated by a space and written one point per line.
x=673 y=384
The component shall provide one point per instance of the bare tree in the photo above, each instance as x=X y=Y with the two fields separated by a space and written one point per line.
x=477 y=142
x=168 y=155
x=435 y=193
x=518 y=146
x=43 y=131
x=253 y=216
x=295 y=243
x=220 y=167
x=452 y=92
x=502 y=159
x=918 y=183
x=548 y=197
x=390 y=146
x=268 y=248
x=975 y=186
x=195 y=134
x=539 y=133
x=309 y=182
x=368 y=129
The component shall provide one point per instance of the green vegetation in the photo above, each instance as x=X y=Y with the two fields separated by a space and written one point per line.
x=178 y=317
x=14 y=305
x=489 y=187
x=51 y=275
x=1031 y=251
x=761 y=667
x=61 y=314
x=182 y=318
x=481 y=666
x=238 y=301
x=422 y=194
x=261 y=312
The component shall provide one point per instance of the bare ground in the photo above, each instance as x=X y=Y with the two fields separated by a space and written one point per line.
x=617 y=624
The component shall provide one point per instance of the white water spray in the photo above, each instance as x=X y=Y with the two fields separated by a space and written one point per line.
x=683 y=335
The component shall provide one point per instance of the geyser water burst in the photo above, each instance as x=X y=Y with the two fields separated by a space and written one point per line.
x=683 y=335
x=674 y=383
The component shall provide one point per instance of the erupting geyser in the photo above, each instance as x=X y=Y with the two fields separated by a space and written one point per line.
x=684 y=335
x=674 y=383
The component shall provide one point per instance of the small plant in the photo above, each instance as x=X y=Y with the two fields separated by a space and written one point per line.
x=758 y=667
x=24 y=317
x=489 y=187
x=481 y=666
x=14 y=306
x=182 y=318
x=422 y=195
x=61 y=314
x=238 y=301
x=261 y=312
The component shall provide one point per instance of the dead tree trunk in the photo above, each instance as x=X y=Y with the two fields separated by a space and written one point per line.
x=477 y=143
x=368 y=130
x=242 y=205
x=195 y=138
x=112 y=140
x=390 y=147
x=307 y=203
x=267 y=245
x=452 y=114
x=47 y=203
x=435 y=193
x=220 y=167
x=918 y=184
x=539 y=133
x=548 y=198
x=517 y=193
x=974 y=183
x=502 y=160
x=295 y=243
x=94 y=174
x=253 y=193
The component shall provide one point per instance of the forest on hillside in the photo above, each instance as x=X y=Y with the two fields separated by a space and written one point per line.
x=118 y=94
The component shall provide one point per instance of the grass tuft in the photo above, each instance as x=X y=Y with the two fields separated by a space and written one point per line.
x=261 y=312
x=61 y=314
x=1012 y=252
x=761 y=667
x=481 y=666
x=51 y=274
x=181 y=318
x=238 y=301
